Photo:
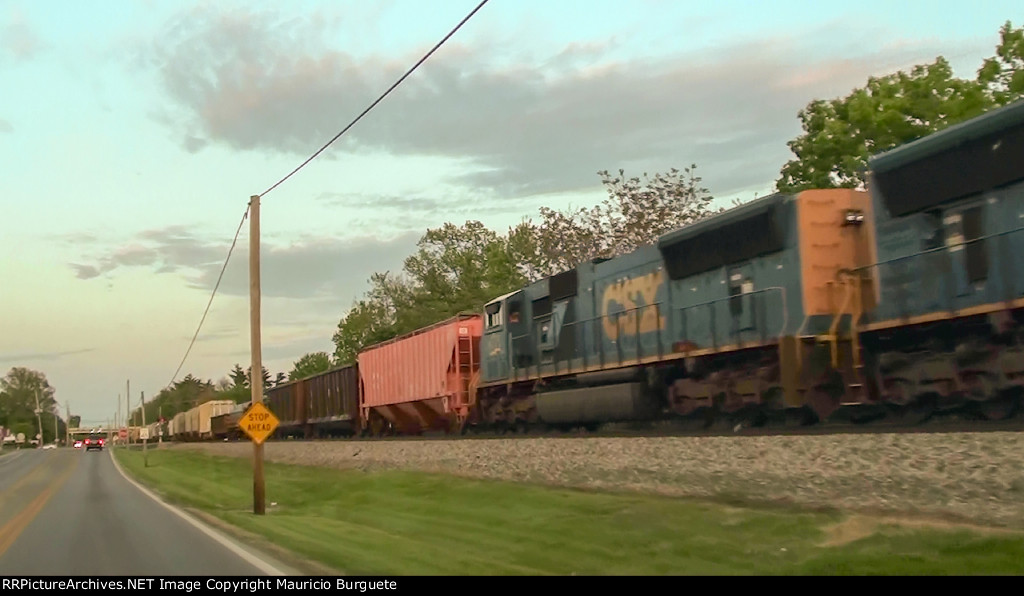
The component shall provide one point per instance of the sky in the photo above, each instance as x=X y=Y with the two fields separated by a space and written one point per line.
x=133 y=134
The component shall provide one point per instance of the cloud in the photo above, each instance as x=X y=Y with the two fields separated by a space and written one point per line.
x=19 y=39
x=44 y=355
x=247 y=81
x=311 y=268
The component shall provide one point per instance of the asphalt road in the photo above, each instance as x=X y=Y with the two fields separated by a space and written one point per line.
x=72 y=512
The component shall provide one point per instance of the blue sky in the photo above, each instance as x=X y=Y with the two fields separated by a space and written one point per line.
x=132 y=135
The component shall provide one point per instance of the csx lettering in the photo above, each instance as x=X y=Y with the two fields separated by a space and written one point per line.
x=637 y=296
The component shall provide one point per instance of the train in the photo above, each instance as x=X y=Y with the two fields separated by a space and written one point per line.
x=901 y=299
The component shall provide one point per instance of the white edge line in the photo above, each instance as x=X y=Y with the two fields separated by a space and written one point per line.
x=253 y=560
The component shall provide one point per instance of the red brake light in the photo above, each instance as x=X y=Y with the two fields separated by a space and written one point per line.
x=87 y=441
x=101 y=441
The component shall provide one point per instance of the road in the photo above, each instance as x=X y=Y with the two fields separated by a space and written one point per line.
x=71 y=512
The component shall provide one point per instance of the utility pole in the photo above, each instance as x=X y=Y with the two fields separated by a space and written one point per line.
x=128 y=411
x=67 y=423
x=39 y=419
x=145 y=454
x=55 y=435
x=256 y=376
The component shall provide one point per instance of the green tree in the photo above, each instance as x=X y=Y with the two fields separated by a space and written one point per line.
x=22 y=391
x=309 y=365
x=840 y=134
x=239 y=376
x=1003 y=74
x=635 y=213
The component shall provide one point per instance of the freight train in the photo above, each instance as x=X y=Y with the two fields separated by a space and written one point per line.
x=901 y=300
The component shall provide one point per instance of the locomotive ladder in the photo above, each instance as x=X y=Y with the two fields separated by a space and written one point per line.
x=465 y=368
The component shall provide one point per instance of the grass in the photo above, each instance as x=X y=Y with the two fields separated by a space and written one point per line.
x=406 y=523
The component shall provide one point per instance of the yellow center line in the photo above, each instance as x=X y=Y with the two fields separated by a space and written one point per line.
x=4 y=494
x=10 y=532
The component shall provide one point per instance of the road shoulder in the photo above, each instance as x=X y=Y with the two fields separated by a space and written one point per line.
x=250 y=547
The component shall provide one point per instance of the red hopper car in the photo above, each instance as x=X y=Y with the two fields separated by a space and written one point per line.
x=422 y=380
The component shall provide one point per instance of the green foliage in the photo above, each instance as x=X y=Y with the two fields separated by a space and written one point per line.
x=841 y=134
x=1003 y=74
x=461 y=268
x=309 y=365
x=22 y=392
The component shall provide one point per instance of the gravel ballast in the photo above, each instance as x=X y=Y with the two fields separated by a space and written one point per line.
x=976 y=477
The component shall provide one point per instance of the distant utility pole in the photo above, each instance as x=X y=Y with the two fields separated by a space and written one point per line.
x=128 y=410
x=39 y=419
x=67 y=423
x=256 y=376
x=145 y=453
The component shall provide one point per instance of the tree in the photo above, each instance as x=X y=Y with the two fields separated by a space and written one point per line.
x=1003 y=74
x=19 y=391
x=280 y=378
x=239 y=376
x=75 y=421
x=635 y=213
x=309 y=365
x=840 y=134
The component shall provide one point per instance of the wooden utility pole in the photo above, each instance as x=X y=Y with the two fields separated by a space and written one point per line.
x=256 y=375
x=39 y=419
x=145 y=441
x=67 y=423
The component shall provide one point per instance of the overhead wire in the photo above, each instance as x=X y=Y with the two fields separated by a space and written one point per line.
x=311 y=158
x=379 y=99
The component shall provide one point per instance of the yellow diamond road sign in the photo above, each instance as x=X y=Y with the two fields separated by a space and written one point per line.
x=258 y=422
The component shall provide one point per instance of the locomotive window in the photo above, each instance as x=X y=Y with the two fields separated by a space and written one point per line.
x=494 y=315
x=736 y=287
x=974 y=257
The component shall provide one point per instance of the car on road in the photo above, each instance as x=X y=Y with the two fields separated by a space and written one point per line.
x=94 y=442
x=78 y=444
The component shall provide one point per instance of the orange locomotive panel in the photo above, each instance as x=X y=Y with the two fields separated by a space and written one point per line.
x=422 y=379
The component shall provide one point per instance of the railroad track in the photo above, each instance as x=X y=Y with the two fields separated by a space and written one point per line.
x=954 y=422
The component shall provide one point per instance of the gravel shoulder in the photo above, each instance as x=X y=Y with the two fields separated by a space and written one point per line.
x=957 y=477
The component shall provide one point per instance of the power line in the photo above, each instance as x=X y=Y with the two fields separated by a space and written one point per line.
x=215 y=287
x=392 y=88
x=311 y=158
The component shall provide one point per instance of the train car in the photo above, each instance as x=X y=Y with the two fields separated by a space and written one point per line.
x=332 y=402
x=206 y=411
x=287 y=401
x=422 y=380
x=737 y=314
x=949 y=325
x=224 y=427
x=322 y=405
x=178 y=426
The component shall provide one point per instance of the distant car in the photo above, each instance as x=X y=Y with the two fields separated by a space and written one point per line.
x=50 y=446
x=78 y=444
x=94 y=442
